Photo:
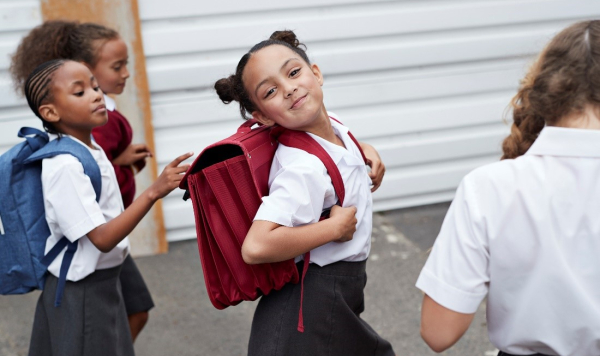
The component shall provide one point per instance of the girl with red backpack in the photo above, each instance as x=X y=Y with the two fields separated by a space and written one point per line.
x=103 y=51
x=276 y=83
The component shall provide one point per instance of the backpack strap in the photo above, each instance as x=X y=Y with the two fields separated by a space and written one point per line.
x=353 y=139
x=303 y=141
x=66 y=145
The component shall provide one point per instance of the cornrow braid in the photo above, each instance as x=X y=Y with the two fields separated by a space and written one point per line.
x=38 y=89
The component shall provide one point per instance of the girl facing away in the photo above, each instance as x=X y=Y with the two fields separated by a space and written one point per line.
x=105 y=53
x=525 y=231
x=276 y=83
x=91 y=319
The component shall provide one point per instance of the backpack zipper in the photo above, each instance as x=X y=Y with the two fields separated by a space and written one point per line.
x=1 y=227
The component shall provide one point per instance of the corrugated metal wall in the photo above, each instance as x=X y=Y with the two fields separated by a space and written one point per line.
x=426 y=82
x=16 y=18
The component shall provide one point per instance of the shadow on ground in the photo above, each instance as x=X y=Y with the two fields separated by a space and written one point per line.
x=185 y=323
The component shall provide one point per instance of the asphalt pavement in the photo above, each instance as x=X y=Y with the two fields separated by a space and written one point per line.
x=184 y=322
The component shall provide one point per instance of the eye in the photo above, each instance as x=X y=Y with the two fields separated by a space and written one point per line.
x=294 y=72
x=79 y=93
x=96 y=88
x=269 y=92
x=117 y=68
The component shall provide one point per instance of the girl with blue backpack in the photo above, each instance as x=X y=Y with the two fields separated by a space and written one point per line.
x=276 y=83
x=91 y=319
x=103 y=51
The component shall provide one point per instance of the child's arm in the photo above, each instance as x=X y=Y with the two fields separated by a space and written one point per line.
x=440 y=326
x=374 y=161
x=132 y=154
x=269 y=242
x=106 y=236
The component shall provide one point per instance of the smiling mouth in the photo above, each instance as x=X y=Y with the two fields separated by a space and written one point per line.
x=298 y=102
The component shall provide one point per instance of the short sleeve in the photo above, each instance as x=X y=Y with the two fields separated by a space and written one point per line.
x=297 y=193
x=70 y=199
x=456 y=274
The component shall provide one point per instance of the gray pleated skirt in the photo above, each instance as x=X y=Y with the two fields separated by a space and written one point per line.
x=136 y=295
x=333 y=302
x=91 y=320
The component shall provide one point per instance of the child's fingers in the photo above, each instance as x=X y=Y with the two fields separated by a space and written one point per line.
x=180 y=159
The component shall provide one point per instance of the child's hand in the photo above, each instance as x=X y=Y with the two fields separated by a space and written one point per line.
x=346 y=220
x=374 y=161
x=132 y=154
x=170 y=177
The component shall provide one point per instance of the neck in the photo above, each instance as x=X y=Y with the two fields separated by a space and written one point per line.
x=85 y=136
x=323 y=128
x=588 y=119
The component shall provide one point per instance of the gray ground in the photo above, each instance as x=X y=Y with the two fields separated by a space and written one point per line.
x=185 y=323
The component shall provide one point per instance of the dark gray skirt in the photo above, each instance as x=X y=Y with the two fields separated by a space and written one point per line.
x=91 y=320
x=136 y=295
x=333 y=302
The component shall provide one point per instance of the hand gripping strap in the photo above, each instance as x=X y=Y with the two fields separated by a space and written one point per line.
x=65 y=145
x=303 y=141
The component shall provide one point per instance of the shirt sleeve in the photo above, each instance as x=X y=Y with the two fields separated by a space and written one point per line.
x=456 y=274
x=297 y=193
x=69 y=194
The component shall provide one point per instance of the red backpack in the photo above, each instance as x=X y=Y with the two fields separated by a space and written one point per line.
x=226 y=183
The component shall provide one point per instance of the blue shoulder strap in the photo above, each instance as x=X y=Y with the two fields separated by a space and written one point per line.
x=65 y=145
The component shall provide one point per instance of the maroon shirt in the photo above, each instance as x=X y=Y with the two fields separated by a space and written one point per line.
x=114 y=137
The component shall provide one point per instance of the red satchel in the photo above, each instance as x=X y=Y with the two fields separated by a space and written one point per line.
x=226 y=183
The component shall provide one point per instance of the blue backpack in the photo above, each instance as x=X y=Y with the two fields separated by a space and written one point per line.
x=23 y=226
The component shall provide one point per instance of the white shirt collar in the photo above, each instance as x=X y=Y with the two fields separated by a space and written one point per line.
x=566 y=142
x=110 y=103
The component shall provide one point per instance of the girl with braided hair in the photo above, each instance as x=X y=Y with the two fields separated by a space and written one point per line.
x=91 y=319
x=104 y=52
x=525 y=231
x=276 y=84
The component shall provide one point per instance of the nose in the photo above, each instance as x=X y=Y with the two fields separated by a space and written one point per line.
x=290 y=88
x=98 y=95
x=125 y=74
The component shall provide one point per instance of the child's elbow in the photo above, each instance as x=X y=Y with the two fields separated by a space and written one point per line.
x=435 y=342
x=252 y=253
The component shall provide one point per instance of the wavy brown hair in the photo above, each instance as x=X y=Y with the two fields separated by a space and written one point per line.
x=561 y=83
x=58 y=40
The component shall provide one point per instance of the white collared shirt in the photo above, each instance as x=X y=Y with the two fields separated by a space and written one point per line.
x=72 y=211
x=526 y=233
x=110 y=103
x=300 y=188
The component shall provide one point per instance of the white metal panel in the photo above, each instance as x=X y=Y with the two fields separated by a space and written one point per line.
x=427 y=82
x=17 y=17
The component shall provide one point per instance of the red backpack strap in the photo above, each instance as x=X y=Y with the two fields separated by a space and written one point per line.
x=301 y=140
x=353 y=139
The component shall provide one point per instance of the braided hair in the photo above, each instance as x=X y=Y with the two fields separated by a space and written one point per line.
x=561 y=83
x=38 y=88
x=232 y=88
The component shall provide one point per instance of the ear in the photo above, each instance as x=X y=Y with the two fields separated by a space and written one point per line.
x=317 y=72
x=262 y=118
x=49 y=113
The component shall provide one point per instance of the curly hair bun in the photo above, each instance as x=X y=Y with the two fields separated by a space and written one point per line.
x=225 y=88
x=287 y=36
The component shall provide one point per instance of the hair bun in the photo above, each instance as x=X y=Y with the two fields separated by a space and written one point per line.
x=225 y=89
x=287 y=36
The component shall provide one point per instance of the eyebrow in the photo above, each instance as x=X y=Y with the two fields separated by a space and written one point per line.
x=80 y=82
x=267 y=79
